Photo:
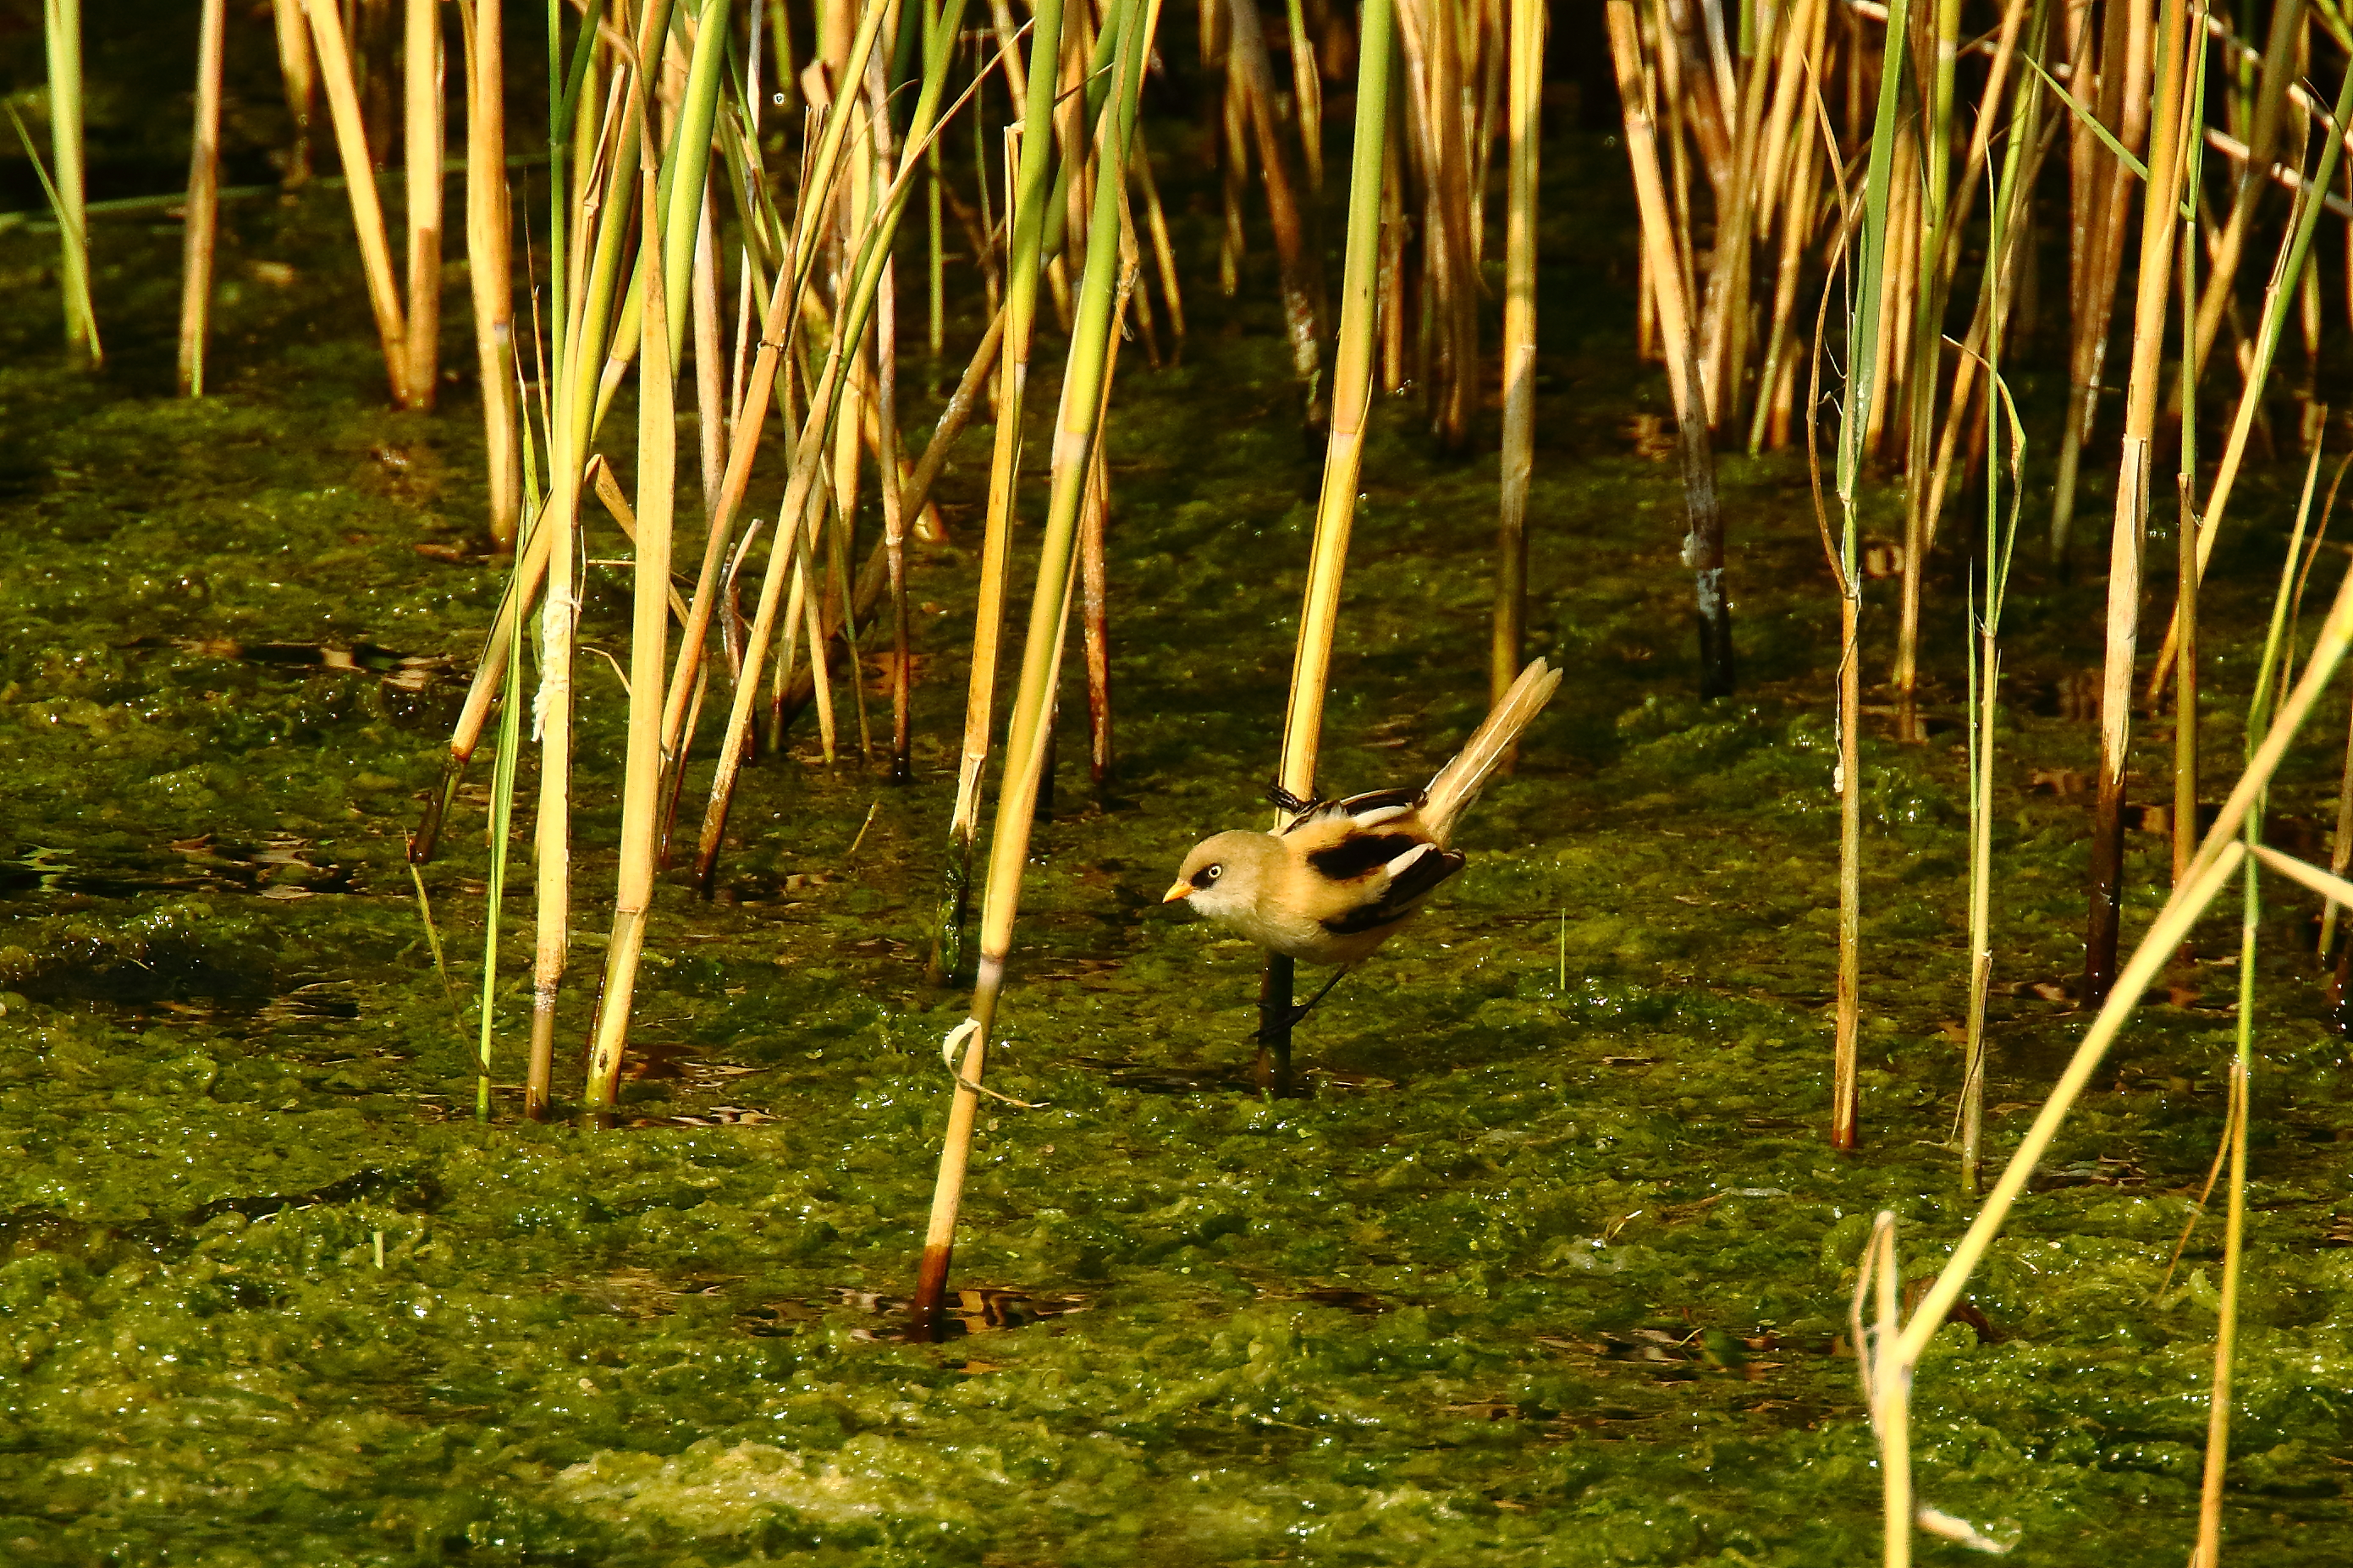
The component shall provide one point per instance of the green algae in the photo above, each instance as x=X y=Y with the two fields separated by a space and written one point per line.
x=1543 y=1272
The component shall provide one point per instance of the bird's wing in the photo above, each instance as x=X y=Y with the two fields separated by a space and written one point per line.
x=1359 y=811
x=1408 y=879
x=1354 y=854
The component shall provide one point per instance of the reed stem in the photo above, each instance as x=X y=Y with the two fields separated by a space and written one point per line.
x=1027 y=209
x=490 y=265
x=61 y=31
x=359 y=182
x=1078 y=428
x=203 y=202
x=2128 y=539
x=421 y=76
x=1509 y=637
x=300 y=82
x=641 y=786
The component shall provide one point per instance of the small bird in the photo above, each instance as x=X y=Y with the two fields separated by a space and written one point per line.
x=1342 y=877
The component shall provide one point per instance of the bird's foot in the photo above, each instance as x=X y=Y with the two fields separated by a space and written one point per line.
x=1277 y=1032
x=1284 y=800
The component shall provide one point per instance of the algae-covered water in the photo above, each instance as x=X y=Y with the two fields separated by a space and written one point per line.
x=1550 y=1267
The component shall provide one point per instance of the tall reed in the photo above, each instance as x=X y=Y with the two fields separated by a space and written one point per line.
x=1026 y=212
x=641 y=785
x=2127 y=537
x=421 y=78
x=489 y=263
x=1507 y=641
x=1863 y=392
x=300 y=83
x=335 y=57
x=61 y=31
x=1344 y=460
x=1077 y=429
x=203 y=202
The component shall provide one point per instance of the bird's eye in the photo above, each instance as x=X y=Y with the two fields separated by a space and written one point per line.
x=1215 y=872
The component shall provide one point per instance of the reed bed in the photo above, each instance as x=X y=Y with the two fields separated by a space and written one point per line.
x=1845 y=216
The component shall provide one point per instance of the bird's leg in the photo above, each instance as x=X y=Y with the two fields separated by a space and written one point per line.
x=1308 y=1006
x=1275 y=1017
x=1278 y=1015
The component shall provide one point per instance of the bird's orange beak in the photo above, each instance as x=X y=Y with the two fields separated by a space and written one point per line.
x=1181 y=891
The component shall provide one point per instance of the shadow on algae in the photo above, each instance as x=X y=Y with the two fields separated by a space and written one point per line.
x=1550 y=1267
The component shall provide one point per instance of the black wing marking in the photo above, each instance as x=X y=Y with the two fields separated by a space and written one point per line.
x=1406 y=890
x=1358 y=806
x=1360 y=854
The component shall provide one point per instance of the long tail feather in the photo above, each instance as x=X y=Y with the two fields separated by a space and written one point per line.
x=1459 y=782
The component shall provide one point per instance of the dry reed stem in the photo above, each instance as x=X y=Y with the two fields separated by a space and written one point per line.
x=489 y=266
x=1298 y=259
x=711 y=404
x=300 y=84
x=1432 y=48
x=1703 y=547
x=1307 y=94
x=1509 y=634
x=422 y=148
x=1027 y=158
x=2128 y=535
x=203 y=202
x=2277 y=67
x=2217 y=855
x=359 y=182
x=2295 y=254
x=1886 y=1385
x=1351 y=410
x=593 y=308
x=1086 y=376
x=641 y=848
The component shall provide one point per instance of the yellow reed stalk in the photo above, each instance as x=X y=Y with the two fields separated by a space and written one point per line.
x=1077 y=431
x=2124 y=69
x=490 y=265
x=1307 y=95
x=359 y=182
x=1886 y=1385
x=421 y=77
x=804 y=490
x=2127 y=537
x=1433 y=54
x=300 y=83
x=2217 y=855
x=787 y=300
x=1702 y=550
x=592 y=322
x=1163 y=250
x=1525 y=125
x=650 y=625
x=1027 y=162
x=203 y=202
x=62 y=32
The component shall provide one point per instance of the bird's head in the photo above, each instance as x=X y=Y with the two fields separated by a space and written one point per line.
x=1223 y=873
